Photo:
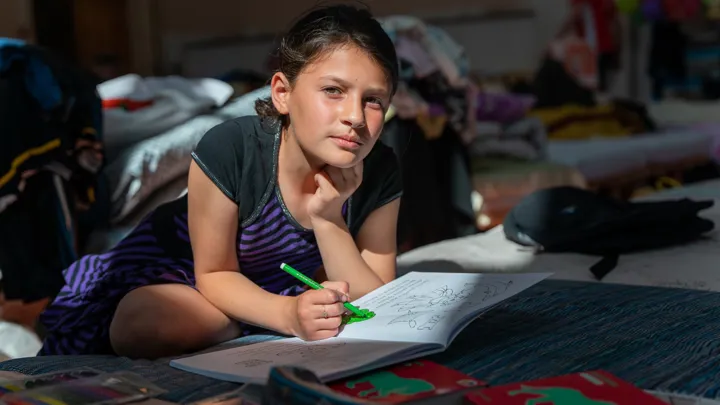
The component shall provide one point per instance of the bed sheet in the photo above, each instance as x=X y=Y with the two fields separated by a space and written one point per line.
x=693 y=266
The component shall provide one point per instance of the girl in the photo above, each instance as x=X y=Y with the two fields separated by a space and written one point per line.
x=304 y=182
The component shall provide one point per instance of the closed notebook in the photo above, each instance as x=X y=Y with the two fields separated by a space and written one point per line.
x=587 y=388
x=407 y=382
x=415 y=315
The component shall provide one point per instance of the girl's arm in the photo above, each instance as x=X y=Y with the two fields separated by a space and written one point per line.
x=367 y=263
x=213 y=222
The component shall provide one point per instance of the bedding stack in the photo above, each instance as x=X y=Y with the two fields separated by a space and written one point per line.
x=152 y=126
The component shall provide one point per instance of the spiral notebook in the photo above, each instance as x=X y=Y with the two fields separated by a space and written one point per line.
x=417 y=315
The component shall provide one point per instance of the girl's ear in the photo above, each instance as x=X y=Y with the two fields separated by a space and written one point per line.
x=280 y=92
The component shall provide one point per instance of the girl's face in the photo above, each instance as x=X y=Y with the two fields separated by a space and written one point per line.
x=336 y=106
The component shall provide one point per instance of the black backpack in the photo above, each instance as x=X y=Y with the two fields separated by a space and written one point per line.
x=573 y=220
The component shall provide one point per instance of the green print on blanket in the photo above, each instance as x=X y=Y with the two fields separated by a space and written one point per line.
x=386 y=383
x=557 y=396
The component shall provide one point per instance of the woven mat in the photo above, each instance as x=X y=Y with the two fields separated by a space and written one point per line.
x=657 y=338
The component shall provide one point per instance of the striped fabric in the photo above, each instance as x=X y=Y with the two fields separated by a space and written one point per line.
x=78 y=320
x=657 y=338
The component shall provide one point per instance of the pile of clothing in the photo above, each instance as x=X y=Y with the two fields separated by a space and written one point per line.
x=439 y=118
x=50 y=157
x=565 y=98
x=668 y=10
x=432 y=111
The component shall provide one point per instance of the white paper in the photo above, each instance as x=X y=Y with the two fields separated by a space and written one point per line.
x=427 y=307
x=252 y=363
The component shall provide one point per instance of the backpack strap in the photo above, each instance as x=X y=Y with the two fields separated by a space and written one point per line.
x=604 y=266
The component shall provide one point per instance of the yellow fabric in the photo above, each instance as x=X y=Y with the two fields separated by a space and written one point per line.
x=662 y=183
x=579 y=122
x=432 y=126
x=89 y=131
x=23 y=157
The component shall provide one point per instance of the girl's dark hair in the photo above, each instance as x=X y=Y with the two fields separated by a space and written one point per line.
x=325 y=29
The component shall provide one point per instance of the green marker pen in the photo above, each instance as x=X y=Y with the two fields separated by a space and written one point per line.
x=315 y=286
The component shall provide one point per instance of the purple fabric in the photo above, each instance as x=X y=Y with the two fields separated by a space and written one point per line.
x=504 y=108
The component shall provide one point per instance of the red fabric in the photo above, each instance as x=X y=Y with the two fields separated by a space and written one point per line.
x=681 y=10
x=130 y=105
x=604 y=15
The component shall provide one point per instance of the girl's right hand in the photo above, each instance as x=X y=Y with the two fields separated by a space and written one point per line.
x=318 y=313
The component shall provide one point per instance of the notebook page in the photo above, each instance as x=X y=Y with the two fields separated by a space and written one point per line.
x=326 y=358
x=428 y=307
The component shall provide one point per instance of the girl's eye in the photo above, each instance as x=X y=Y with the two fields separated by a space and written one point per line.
x=375 y=101
x=332 y=91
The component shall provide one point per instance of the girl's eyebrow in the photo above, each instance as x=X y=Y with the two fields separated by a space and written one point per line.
x=345 y=83
x=337 y=79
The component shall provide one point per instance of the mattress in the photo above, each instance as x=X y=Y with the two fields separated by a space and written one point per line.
x=683 y=112
x=691 y=266
x=657 y=338
x=713 y=130
x=596 y=159
x=602 y=158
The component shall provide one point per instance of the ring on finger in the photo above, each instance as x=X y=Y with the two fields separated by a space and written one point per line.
x=325 y=314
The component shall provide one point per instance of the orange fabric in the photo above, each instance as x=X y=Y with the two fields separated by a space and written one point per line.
x=22 y=313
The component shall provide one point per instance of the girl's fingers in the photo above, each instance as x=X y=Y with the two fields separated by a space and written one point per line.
x=329 y=311
x=327 y=324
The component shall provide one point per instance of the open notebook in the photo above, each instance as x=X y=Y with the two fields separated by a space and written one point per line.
x=416 y=315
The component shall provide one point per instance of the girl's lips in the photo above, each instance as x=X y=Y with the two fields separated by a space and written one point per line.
x=346 y=142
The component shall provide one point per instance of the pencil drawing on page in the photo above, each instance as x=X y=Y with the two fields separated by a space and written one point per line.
x=414 y=309
x=410 y=318
x=470 y=294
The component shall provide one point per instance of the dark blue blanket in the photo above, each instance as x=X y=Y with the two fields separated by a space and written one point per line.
x=657 y=338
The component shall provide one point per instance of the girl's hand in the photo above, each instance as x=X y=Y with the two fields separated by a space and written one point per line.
x=334 y=187
x=318 y=313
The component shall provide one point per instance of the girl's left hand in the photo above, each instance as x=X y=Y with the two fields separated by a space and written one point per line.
x=334 y=187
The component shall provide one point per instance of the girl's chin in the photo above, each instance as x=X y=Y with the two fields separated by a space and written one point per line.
x=341 y=158
x=343 y=163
